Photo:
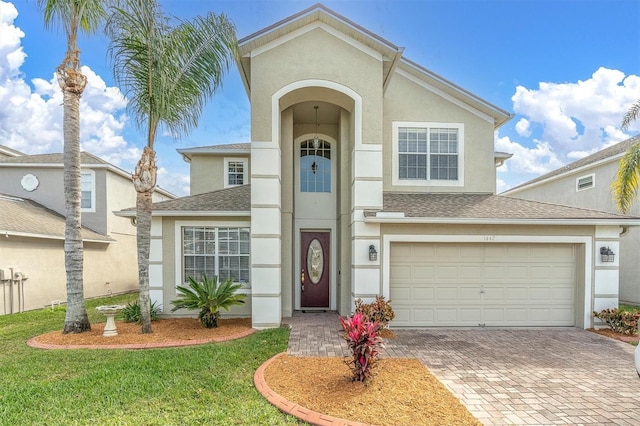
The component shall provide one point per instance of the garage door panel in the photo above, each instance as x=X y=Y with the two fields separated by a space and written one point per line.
x=469 y=284
x=446 y=272
x=399 y=294
x=423 y=272
x=425 y=294
x=401 y=272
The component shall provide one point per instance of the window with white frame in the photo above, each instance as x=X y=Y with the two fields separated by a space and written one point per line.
x=87 y=185
x=427 y=152
x=315 y=166
x=235 y=172
x=215 y=251
x=585 y=182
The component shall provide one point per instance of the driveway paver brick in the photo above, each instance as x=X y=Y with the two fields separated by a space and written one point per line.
x=507 y=376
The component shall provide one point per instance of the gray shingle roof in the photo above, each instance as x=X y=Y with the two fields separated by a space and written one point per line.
x=482 y=206
x=236 y=199
x=243 y=146
x=57 y=158
x=603 y=154
x=22 y=216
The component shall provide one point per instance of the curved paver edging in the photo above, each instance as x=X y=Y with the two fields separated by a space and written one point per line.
x=288 y=407
x=33 y=342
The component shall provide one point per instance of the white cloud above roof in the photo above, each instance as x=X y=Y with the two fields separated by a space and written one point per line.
x=31 y=111
x=567 y=121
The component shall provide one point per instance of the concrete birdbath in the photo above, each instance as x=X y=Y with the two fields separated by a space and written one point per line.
x=110 y=312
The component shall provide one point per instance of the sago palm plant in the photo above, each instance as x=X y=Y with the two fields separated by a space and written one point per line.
x=209 y=297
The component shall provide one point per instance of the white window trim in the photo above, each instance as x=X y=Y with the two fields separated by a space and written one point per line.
x=426 y=182
x=593 y=182
x=91 y=209
x=179 y=267
x=245 y=163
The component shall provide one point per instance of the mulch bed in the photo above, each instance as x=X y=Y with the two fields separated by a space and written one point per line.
x=403 y=392
x=168 y=331
x=612 y=334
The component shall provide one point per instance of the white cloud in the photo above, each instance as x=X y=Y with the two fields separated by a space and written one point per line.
x=537 y=160
x=571 y=121
x=579 y=116
x=176 y=183
x=523 y=127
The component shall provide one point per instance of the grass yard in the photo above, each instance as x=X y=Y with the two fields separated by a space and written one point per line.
x=630 y=308
x=208 y=384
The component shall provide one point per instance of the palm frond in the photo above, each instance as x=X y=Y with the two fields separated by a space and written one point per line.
x=631 y=115
x=86 y=15
x=168 y=72
x=625 y=186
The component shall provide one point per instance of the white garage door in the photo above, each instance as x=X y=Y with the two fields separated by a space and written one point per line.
x=493 y=284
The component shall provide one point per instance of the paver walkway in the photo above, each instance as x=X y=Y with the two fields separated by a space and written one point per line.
x=507 y=376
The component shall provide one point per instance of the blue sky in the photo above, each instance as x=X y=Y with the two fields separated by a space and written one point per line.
x=567 y=69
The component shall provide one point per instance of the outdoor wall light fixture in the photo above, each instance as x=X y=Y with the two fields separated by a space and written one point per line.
x=606 y=254
x=373 y=254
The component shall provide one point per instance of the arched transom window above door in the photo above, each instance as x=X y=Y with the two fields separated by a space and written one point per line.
x=315 y=166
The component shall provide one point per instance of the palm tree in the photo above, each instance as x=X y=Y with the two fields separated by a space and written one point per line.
x=631 y=115
x=625 y=185
x=73 y=16
x=167 y=73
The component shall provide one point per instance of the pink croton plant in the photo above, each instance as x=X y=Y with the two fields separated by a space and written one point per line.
x=363 y=341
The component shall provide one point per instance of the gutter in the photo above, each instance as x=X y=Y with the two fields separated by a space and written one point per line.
x=169 y=213
x=496 y=221
x=8 y=234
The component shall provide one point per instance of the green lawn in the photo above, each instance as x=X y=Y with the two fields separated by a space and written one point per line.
x=210 y=384
x=630 y=308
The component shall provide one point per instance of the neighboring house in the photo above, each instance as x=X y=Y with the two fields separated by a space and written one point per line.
x=586 y=183
x=369 y=175
x=32 y=228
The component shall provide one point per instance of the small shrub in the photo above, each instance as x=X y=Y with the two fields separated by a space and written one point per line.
x=362 y=339
x=131 y=313
x=379 y=311
x=620 y=321
x=209 y=297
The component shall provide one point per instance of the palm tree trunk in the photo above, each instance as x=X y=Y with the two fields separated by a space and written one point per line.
x=144 y=181
x=76 y=319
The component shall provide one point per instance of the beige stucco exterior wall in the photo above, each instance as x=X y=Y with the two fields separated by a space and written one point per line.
x=208 y=173
x=321 y=56
x=405 y=100
x=562 y=190
x=165 y=271
x=107 y=269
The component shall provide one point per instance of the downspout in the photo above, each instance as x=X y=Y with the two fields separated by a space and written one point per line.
x=624 y=232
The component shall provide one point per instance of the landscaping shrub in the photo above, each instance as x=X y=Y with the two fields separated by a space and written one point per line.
x=131 y=313
x=379 y=311
x=209 y=297
x=362 y=339
x=620 y=321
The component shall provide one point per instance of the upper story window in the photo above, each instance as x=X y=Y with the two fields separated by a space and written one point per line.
x=88 y=191
x=428 y=153
x=235 y=172
x=315 y=166
x=585 y=182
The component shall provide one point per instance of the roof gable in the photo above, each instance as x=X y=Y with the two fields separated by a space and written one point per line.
x=393 y=62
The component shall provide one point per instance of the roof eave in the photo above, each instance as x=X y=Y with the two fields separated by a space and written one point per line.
x=169 y=213
x=9 y=234
x=497 y=221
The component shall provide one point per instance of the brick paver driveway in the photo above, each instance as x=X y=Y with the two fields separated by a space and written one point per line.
x=508 y=376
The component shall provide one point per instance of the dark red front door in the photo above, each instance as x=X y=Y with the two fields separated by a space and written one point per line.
x=314 y=269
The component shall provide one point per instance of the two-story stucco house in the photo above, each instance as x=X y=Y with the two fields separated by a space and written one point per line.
x=368 y=174
x=586 y=183
x=32 y=229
